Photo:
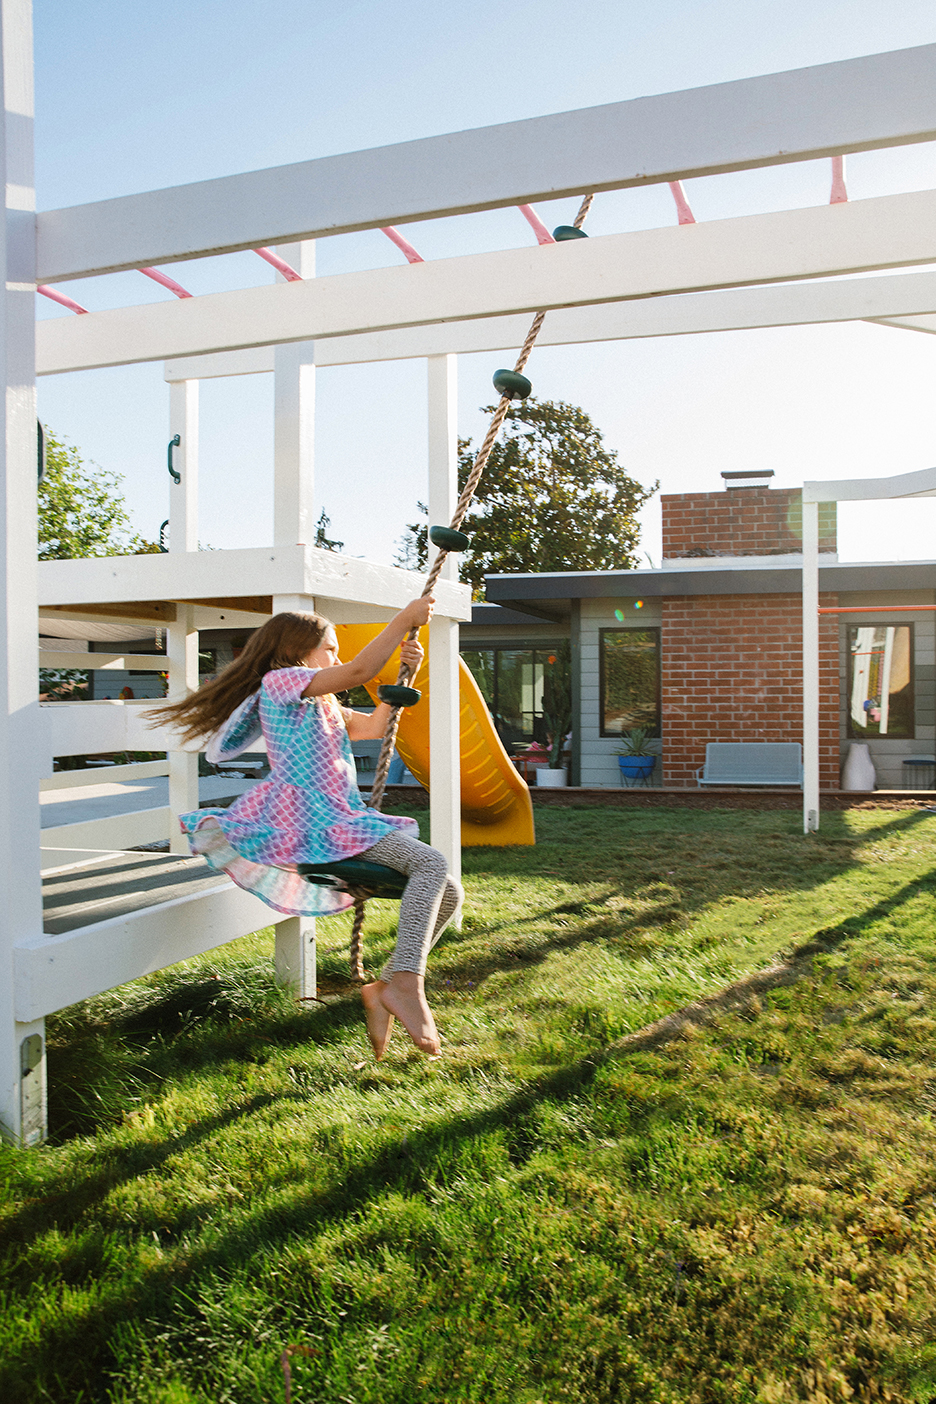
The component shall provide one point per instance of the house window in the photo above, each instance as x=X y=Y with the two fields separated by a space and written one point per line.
x=880 y=680
x=511 y=682
x=629 y=668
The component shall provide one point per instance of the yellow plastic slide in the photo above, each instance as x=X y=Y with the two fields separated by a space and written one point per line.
x=495 y=802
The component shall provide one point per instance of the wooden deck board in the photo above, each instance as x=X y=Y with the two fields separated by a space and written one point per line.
x=118 y=884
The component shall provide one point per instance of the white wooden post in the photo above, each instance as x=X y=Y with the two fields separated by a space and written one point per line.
x=295 y=957
x=293 y=522
x=294 y=422
x=22 y=1044
x=810 y=666
x=444 y=750
x=183 y=496
x=182 y=638
x=182 y=647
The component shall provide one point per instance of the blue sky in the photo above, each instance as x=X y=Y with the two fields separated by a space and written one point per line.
x=135 y=97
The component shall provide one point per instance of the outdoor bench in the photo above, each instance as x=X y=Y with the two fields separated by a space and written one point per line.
x=752 y=763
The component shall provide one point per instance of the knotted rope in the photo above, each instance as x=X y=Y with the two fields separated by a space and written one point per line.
x=404 y=676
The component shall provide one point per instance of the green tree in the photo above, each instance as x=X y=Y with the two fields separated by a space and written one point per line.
x=413 y=545
x=82 y=511
x=322 y=539
x=552 y=497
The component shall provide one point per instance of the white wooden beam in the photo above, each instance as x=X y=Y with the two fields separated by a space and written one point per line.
x=264 y=570
x=686 y=314
x=103 y=775
x=856 y=105
x=825 y=241
x=54 y=971
x=121 y=662
x=186 y=575
x=926 y=323
x=120 y=831
x=87 y=728
x=919 y=484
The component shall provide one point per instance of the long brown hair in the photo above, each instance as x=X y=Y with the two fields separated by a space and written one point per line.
x=282 y=642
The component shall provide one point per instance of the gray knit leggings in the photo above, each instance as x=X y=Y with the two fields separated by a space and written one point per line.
x=428 y=904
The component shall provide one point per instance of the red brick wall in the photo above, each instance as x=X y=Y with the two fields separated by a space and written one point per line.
x=732 y=671
x=740 y=522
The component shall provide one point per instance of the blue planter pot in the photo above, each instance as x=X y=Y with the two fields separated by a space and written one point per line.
x=635 y=769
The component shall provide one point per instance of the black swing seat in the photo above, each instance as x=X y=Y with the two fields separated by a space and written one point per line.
x=355 y=875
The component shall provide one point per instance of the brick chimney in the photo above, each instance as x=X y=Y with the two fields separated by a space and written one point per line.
x=747 y=519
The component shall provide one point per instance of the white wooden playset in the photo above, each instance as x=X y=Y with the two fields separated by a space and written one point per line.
x=761 y=270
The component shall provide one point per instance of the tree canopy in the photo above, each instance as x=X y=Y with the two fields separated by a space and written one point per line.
x=82 y=511
x=552 y=497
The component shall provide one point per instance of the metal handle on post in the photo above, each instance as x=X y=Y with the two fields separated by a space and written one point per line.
x=174 y=442
x=162 y=535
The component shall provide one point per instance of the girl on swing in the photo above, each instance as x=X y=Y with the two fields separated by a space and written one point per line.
x=283 y=686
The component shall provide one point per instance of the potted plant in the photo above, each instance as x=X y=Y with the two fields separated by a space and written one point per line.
x=557 y=712
x=635 y=759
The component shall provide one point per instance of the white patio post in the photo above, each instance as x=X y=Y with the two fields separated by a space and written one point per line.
x=22 y=1044
x=182 y=648
x=444 y=750
x=183 y=496
x=294 y=422
x=293 y=489
x=182 y=637
x=810 y=665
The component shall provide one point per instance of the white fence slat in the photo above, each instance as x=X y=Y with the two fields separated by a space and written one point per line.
x=103 y=775
x=119 y=831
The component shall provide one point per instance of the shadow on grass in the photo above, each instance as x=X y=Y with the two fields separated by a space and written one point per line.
x=249 y=1037
x=405 y=1169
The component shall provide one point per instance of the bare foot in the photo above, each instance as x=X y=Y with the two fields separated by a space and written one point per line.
x=380 y=1021
x=405 y=996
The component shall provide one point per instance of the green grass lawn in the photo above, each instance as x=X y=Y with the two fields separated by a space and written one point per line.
x=744 y=1214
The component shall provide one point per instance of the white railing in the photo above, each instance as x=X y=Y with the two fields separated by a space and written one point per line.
x=119 y=831
x=103 y=775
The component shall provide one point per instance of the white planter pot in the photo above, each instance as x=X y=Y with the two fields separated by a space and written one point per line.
x=858 y=770
x=551 y=779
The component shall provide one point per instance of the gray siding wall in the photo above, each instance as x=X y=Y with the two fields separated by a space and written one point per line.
x=599 y=753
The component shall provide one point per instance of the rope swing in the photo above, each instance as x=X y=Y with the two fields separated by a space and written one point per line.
x=513 y=385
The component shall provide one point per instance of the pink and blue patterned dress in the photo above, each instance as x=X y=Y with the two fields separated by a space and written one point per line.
x=309 y=810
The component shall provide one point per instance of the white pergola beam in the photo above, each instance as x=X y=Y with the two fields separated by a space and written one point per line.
x=926 y=323
x=889 y=232
x=919 y=484
x=274 y=570
x=856 y=105
x=732 y=309
x=122 y=662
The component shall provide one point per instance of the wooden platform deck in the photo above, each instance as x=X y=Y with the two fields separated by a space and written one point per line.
x=82 y=886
